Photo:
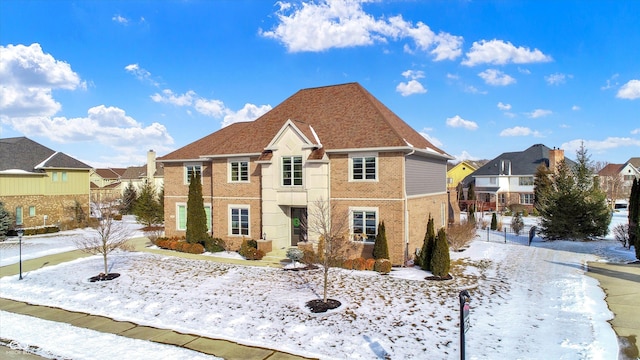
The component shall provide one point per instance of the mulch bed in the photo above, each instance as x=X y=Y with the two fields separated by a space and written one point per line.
x=319 y=306
x=103 y=277
x=439 y=278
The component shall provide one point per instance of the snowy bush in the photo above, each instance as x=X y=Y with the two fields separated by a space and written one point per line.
x=295 y=255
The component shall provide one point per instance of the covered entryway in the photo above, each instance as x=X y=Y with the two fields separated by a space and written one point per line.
x=298 y=229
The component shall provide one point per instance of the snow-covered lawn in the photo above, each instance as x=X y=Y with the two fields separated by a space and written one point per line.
x=527 y=302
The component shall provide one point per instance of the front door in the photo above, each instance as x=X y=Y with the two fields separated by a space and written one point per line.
x=298 y=228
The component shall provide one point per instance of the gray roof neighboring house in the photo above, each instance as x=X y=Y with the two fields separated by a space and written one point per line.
x=21 y=153
x=521 y=162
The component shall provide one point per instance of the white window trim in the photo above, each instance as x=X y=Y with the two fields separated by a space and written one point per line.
x=523 y=197
x=229 y=221
x=186 y=177
x=238 y=160
x=361 y=208
x=292 y=171
x=363 y=155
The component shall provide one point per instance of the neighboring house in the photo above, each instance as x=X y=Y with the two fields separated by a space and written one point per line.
x=106 y=183
x=616 y=179
x=457 y=172
x=261 y=179
x=152 y=172
x=40 y=186
x=509 y=178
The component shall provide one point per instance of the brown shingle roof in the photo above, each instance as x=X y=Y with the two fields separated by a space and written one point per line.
x=343 y=116
x=611 y=170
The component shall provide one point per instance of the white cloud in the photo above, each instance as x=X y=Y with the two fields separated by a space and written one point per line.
x=109 y=126
x=120 y=19
x=473 y=90
x=599 y=146
x=410 y=87
x=457 y=121
x=211 y=107
x=630 y=90
x=28 y=76
x=500 y=52
x=248 y=113
x=413 y=74
x=504 y=107
x=168 y=97
x=519 y=131
x=465 y=156
x=538 y=113
x=575 y=108
x=326 y=24
x=433 y=140
x=140 y=73
x=453 y=76
x=611 y=82
x=496 y=77
x=557 y=78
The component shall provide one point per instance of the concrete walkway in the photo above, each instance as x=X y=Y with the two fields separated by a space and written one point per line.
x=621 y=283
x=221 y=348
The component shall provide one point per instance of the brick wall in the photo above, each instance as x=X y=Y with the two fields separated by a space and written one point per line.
x=419 y=211
x=58 y=208
x=390 y=182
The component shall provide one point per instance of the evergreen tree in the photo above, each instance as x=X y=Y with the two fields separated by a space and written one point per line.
x=471 y=194
x=494 y=221
x=574 y=207
x=161 y=203
x=634 y=208
x=380 y=247
x=516 y=223
x=472 y=214
x=441 y=261
x=128 y=200
x=542 y=184
x=196 y=216
x=427 y=247
x=147 y=208
x=5 y=221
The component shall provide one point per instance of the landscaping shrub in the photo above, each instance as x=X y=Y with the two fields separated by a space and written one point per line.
x=516 y=223
x=441 y=261
x=380 y=247
x=494 y=222
x=382 y=266
x=359 y=263
x=460 y=236
x=309 y=256
x=348 y=264
x=370 y=264
x=426 y=253
x=295 y=255
x=213 y=245
x=252 y=243
x=253 y=254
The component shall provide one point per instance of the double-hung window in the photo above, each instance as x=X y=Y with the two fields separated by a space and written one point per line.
x=526 y=199
x=192 y=170
x=525 y=180
x=292 y=171
x=19 y=215
x=181 y=211
x=364 y=225
x=239 y=171
x=364 y=167
x=239 y=220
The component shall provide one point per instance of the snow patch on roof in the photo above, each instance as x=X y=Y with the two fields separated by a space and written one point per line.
x=41 y=165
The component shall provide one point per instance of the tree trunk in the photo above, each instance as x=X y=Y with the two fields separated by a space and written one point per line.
x=106 y=268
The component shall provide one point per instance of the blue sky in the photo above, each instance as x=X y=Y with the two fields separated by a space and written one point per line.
x=104 y=81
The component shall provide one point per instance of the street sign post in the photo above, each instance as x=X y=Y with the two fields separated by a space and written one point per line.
x=465 y=299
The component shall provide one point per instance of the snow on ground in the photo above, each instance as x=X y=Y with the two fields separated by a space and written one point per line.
x=526 y=302
x=48 y=244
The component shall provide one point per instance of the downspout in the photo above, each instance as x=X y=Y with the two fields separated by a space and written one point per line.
x=211 y=194
x=406 y=208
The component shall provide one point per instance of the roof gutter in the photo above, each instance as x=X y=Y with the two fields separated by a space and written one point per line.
x=406 y=208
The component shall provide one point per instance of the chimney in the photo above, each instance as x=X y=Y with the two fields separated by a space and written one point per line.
x=555 y=157
x=151 y=165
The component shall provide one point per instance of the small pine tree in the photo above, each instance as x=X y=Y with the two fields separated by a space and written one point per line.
x=426 y=254
x=128 y=200
x=516 y=223
x=441 y=261
x=196 y=216
x=494 y=222
x=380 y=247
x=5 y=221
x=147 y=209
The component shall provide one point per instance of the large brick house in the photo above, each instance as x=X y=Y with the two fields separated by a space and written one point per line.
x=40 y=186
x=335 y=143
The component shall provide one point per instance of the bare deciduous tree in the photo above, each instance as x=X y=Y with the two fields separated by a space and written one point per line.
x=331 y=225
x=108 y=235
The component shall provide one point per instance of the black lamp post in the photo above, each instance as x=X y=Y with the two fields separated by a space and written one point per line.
x=20 y=232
